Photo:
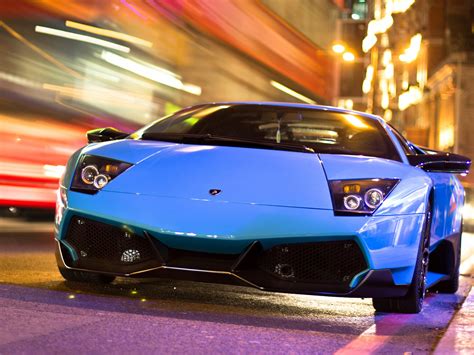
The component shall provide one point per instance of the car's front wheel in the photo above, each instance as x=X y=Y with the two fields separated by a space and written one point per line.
x=412 y=302
x=88 y=277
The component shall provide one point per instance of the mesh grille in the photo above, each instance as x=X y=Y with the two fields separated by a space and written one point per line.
x=200 y=260
x=334 y=262
x=105 y=247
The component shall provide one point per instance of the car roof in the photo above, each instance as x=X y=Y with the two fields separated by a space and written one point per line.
x=298 y=105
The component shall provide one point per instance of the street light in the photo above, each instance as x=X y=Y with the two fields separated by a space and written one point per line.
x=338 y=48
x=348 y=57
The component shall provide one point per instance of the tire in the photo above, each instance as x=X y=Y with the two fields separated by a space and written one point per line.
x=412 y=302
x=87 y=277
x=452 y=284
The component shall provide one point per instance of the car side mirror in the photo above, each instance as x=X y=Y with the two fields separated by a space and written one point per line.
x=105 y=134
x=441 y=163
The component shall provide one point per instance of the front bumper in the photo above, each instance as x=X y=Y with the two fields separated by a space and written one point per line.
x=327 y=267
x=219 y=227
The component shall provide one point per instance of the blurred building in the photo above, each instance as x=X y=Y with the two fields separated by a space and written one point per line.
x=68 y=66
x=421 y=72
x=350 y=59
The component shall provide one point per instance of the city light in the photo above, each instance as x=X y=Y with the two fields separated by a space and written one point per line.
x=348 y=56
x=405 y=83
x=411 y=53
x=380 y=26
x=109 y=33
x=446 y=137
x=368 y=42
x=387 y=115
x=410 y=97
x=392 y=88
x=399 y=6
x=40 y=51
x=291 y=92
x=151 y=72
x=81 y=38
x=192 y=89
x=53 y=170
x=338 y=48
x=367 y=84
x=346 y=103
x=385 y=101
x=387 y=57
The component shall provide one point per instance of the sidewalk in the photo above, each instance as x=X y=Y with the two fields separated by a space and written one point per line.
x=459 y=338
x=467 y=254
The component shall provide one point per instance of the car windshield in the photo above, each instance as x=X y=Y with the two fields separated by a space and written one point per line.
x=285 y=128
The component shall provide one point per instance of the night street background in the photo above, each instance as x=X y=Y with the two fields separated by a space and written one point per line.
x=67 y=67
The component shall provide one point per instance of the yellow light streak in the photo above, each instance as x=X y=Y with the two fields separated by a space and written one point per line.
x=291 y=92
x=40 y=51
x=150 y=72
x=109 y=33
x=53 y=170
x=81 y=38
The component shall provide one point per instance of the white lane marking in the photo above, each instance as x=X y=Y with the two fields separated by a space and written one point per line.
x=378 y=334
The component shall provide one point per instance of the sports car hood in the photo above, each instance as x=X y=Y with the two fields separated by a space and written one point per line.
x=241 y=175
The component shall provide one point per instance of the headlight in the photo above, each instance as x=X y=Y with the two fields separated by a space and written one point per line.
x=360 y=196
x=88 y=174
x=93 y=173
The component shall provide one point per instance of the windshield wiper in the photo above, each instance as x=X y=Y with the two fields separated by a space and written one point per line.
x=231 y=141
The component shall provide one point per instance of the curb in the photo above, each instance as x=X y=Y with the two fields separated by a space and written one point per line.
x=467 y=254
x=458 y=338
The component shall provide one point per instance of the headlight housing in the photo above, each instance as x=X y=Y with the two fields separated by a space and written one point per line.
x=61 y=204
x=360 y=196
x=94 y=173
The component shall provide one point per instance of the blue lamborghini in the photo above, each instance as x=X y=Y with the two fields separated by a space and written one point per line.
x=283 y=197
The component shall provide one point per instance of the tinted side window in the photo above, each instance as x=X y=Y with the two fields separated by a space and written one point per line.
x=403 y=142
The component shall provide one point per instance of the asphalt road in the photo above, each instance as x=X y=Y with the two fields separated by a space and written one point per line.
x=41 y=313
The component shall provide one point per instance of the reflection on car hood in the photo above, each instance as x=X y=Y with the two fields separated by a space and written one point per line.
x=243 y=175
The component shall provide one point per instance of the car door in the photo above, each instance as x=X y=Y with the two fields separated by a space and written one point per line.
x=447 y=196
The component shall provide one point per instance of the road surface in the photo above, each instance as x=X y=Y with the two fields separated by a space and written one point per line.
x=41 y=313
